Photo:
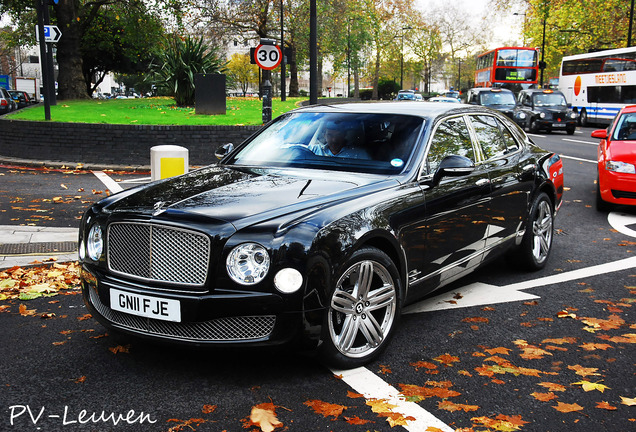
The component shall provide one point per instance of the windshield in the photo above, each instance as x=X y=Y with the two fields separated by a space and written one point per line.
x=503 y=98
x=625 y=127
x=366 y=143
x=548 y=99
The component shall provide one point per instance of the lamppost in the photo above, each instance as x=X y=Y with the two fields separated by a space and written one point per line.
x=523 y=31
x=542 y=62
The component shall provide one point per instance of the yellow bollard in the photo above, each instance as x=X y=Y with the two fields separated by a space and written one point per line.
x=168 y=161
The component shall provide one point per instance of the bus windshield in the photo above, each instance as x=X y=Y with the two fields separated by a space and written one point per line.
x=517 y=58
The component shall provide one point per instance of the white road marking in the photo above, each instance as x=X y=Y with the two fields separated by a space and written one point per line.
x=480 y=294
x=578 y=159
x=620 y=222
x=111 y=184
x=595 y=144
x=372 y=386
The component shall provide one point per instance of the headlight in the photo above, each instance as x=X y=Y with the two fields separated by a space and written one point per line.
x=573 y=115
x=95 y=243
x=542 y=115
x=248 y=263
x=521 y=115
x=620 y=167
x=288 y=280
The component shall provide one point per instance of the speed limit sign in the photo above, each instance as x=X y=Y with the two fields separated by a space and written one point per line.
x=267 y=56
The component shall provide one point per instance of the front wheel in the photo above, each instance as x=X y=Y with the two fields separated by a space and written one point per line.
x=363 y=310
x=583 y=118
x=536 y=245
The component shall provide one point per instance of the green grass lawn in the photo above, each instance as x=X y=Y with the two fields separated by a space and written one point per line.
x=154 y=111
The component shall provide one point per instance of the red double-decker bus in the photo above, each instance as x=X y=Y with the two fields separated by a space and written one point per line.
x=514 y=68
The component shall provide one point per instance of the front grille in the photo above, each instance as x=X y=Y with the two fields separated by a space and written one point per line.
x=623 y=194
x=241 y=328
x=158 y=253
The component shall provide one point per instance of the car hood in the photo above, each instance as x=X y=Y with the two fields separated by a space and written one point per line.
x=245 y=196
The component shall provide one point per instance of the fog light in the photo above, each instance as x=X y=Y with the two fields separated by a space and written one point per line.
x=95 y=243
x=288 y=280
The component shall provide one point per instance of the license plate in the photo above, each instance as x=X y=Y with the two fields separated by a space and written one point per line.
x=558 y=124
x=145 y=306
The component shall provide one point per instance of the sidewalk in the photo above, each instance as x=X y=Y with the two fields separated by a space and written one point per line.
x=24 y=245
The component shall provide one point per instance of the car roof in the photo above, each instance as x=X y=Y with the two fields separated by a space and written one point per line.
x=393 y=107
x=547 y=91
x=629 y=109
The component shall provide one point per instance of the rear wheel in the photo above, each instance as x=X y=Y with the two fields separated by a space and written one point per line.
x=537 y=242
x=363 y=310
x=583 y=118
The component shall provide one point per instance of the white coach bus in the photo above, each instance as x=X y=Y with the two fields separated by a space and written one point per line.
x=599 y=84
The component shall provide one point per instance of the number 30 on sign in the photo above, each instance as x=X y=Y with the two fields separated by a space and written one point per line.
x=267 y=56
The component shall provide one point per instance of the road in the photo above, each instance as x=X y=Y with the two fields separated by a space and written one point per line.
x=499 y=350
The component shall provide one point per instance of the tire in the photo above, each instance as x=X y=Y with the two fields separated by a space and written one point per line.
x=570 y=131
x=583 y=118
x=536 y=245
x=601 y=205
x=363 y=310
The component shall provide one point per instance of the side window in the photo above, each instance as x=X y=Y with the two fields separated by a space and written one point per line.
x=511 y=143
x=451 y=138
x=489 y=135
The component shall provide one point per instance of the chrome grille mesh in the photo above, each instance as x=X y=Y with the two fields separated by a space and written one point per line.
x=221 y=329
x=158 y=253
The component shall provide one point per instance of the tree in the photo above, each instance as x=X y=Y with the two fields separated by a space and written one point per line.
x=179 y=61
x=243 y=73
x=120 y=39
x=77 y=19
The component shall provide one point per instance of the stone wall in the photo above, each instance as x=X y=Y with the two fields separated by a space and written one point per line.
x=107 y=144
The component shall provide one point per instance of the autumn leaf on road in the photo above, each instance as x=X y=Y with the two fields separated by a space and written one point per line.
x=628 y=401
x=583 y=371
x=264 y=416
x=120 y=349
x=452 y=407
x=325 y=408
x=589 y=386
x=605 y=405
x=544 y=397
x=566 y=408
x=447 y=359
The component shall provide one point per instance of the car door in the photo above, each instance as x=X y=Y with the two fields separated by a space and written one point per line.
x=447 y=238
x=511 y=178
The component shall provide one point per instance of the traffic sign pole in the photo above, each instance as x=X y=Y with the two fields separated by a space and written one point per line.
x=43 y=62
x=49 y=56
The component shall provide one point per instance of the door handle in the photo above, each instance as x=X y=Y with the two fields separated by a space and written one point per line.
x=482 y=182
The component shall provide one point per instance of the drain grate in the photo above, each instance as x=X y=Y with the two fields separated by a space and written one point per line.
x=37 y=248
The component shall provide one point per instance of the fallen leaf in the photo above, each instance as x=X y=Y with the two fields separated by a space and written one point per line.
x=605 y=405
x=628 y=401
x=566 y=408
x=583 y=371
x=264 y=416
x=589 y=386
x=543 y=397
x=452 y=407
x=552 y=386
x=325 y=408
x=447 y=359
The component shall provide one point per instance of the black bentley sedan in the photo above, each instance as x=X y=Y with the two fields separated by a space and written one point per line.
x=318 y=229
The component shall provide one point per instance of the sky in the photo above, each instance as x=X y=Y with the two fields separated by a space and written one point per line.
x=504 y=28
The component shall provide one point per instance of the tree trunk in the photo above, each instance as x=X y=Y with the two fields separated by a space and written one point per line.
x=293 y=75
x=70 y=79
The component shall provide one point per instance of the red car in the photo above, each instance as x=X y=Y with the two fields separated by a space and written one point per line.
x=617 y=161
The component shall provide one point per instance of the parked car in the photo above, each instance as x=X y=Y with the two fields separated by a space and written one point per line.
x=7 y=103
x=495 y=98
x=544 y=110
x=616 y=181
x=443 y=99
x=406 y=95
x=21 y=98
x=276 y=244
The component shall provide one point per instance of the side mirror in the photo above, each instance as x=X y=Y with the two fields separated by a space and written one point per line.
x=600 y=134
x=452 y=166
x=224 y=150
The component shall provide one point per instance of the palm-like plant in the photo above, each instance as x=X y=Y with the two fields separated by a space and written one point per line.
x=180 y=60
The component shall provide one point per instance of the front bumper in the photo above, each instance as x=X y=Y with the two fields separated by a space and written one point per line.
x=617 y=188
x=219 y=318
x=556 y=125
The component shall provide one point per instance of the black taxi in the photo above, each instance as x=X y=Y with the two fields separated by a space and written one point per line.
x=546 y=110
